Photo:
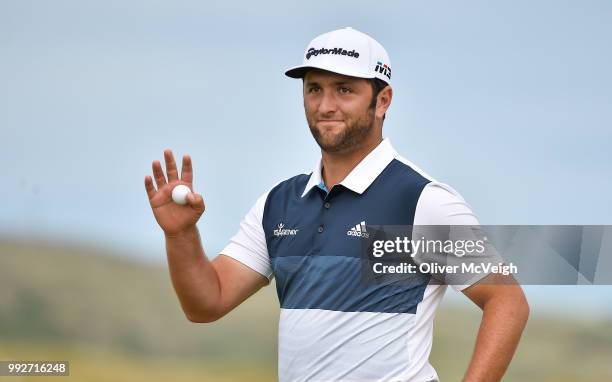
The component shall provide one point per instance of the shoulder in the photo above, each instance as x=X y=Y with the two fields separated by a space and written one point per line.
x=291 y=186
x=287 y=187
x=412 y=168
x=439 y=203
x=399 y=178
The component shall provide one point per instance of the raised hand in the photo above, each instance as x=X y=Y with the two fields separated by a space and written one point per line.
x=171 y=217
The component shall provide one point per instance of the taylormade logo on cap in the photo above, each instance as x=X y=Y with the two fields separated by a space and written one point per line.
x=344 y=52
x=348 y=52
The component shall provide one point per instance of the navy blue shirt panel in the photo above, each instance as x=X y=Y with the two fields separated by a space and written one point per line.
x=319 y=265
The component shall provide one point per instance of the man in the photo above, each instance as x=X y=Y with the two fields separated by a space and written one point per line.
x=306 y=232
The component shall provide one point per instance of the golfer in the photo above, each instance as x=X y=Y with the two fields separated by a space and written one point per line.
x=307 y=233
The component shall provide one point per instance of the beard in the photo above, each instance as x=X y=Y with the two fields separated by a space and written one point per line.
x=355 y=132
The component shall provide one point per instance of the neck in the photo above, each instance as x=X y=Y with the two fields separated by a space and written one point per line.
x=336 y=166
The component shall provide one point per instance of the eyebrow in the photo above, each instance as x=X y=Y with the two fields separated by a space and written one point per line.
x=342 y=82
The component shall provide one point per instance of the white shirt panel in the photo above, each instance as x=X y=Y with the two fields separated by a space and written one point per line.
x=324 y=345
x=248 y=245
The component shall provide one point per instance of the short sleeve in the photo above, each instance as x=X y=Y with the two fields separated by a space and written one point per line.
x=440 y=204
x=248 y=245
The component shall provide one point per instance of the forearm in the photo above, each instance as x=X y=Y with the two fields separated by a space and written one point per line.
x=194 y=278
x=502 y=324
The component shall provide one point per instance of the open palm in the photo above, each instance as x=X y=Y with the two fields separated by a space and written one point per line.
x=173 y=218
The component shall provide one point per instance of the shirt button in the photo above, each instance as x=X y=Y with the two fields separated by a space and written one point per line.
x=327 y=205
x=320 y=229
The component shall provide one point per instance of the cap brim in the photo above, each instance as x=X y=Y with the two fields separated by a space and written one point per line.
x=297 y=71
x=300 y=71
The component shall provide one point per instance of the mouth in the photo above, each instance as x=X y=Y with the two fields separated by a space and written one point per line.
x=329 y=123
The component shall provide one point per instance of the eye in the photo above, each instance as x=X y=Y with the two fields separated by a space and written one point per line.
x=314 y=89
x=344 y=90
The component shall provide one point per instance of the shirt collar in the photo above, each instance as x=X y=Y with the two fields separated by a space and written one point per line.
x=362 y=176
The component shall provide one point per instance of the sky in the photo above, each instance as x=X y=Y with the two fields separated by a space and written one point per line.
x=507 y=101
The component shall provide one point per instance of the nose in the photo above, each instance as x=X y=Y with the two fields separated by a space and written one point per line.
x=328 y=103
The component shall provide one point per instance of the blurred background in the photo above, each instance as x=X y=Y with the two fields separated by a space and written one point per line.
x=508 y=101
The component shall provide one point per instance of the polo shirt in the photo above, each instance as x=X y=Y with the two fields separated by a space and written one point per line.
x=333 y=326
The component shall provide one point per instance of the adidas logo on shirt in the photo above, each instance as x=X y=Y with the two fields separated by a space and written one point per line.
x=359 y=230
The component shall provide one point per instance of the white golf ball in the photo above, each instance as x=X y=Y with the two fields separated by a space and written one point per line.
x=179 y=194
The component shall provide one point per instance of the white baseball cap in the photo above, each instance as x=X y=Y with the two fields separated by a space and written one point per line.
x=345 y=51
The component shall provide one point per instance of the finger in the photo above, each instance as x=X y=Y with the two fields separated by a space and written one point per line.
x=158 y=173
x=171 y=170
x=187 y=170
x=196 y=202
x=149 y=187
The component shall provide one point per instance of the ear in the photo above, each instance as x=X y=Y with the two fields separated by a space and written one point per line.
x=383 y=101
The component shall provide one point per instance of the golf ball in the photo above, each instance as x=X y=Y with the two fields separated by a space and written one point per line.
x=179 y=194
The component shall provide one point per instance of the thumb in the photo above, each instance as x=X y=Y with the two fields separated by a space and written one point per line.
x=196 y=201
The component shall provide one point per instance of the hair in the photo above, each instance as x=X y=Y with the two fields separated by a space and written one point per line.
x=377 y=86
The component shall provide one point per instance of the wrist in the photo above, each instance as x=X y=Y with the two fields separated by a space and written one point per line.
x=186 y=233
